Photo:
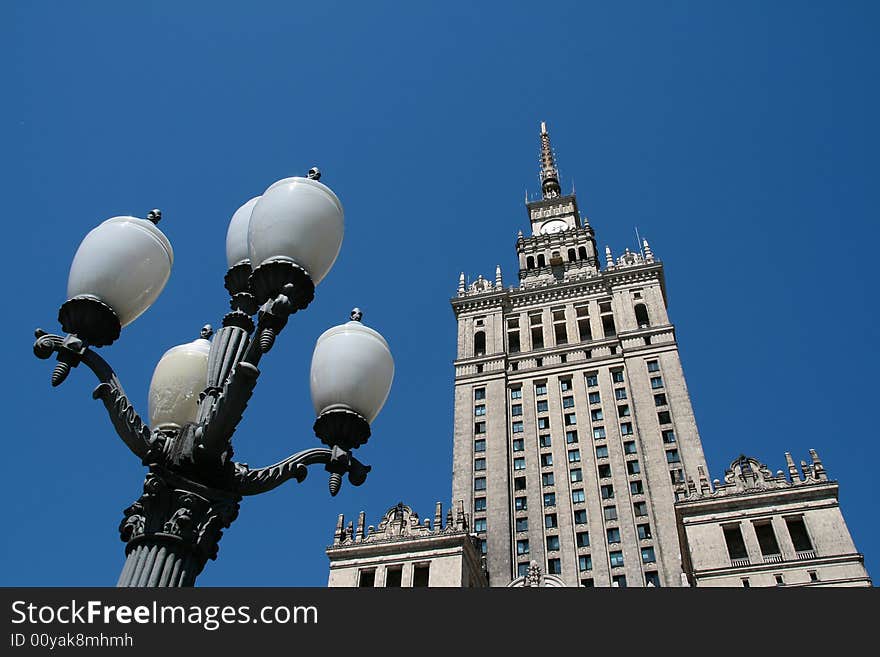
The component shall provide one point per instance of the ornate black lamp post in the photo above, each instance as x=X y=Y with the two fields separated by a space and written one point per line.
x=292 y=235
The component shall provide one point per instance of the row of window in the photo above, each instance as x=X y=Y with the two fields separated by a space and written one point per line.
x=797 y=530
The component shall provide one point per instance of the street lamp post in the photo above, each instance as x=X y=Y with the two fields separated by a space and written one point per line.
x=279 y=246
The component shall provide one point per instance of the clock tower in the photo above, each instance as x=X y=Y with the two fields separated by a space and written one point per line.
x=562 y=245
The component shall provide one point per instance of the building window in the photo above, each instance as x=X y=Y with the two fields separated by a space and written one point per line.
x=583 y=322
x=814 y=576
x=609 y=512
x=613 y=535
x=608 y=328
x=522 y=546
x=565 y=385
x=656 y=382
x=594 y=397
x=520 y=503
x=636 y=488
x=518 y=444
x=663 y=417
x=623 y=411
x=421 y=575
x=617 y=376
x=480 y=504
x=549 y=499
x=644 y=531
x=592 y=379
x=585 y=562
x=640 y=509
x=550 y=521
x=582 y=539
x=546 y=460
x=480 y=483
x=479 y=464
x=479 y=393
x=480 y=445
x=519 y=463
x=745 y=583
x=570 y=419
x=632 y=467
x=516 y=409
x=766 y=538
x=547 y=479
x=519 y=483
x=799 y=536
x=544 y=440
x=552 y=543
x=480 y=409
x=779 y=580
x=537 y=337
x=629 y=447
x=394 y=577
x=672 y=456
x=607 y=491
x=542 y=406
x=479 y=427
x=587 y=583
x=522 y=524
x=574 y=455
x=652 y=578
x=577 y=496
x=516 y=393
x=580 y=517
x=604 y=470
x=648 y=555
x=367 y=578
x=522 y=569
x=596 y=414
x=513 y=345
x=559 y=332
x=676 y=476
x=571 y=436
x=616 y=558
x=480 y=525
x=517 y=427
x=653 y=366
x=736 y=547
x=540 y=389
x=568 y=402
x=598 y=433
x=626 y=428
x=668 y=436
x=479 y=343
x=576 y=475
x=543 y=422
x=620 y=393
x=660 y=399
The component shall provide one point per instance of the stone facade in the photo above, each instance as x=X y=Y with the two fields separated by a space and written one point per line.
x=761 y=529
x=573 y=421
x=402 y=552
x=576 y=455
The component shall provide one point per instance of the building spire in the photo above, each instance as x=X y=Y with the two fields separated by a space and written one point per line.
x=549 y=173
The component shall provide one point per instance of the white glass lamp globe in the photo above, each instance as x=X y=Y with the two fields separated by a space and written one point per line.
x=237 y=234
x=352 y=370
x=297 y=219
x=180 y=376
x=124 y=262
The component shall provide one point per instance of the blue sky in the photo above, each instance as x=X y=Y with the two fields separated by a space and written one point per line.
x=739 y=137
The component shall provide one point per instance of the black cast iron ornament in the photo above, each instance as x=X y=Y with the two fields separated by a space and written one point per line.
x=193 y=487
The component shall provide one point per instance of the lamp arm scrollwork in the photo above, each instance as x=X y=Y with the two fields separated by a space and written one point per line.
x=125 y=420
x=261 y=480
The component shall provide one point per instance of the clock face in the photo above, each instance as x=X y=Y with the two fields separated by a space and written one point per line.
x=553 y=226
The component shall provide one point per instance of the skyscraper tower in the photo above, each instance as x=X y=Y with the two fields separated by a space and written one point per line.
x=573 y=424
